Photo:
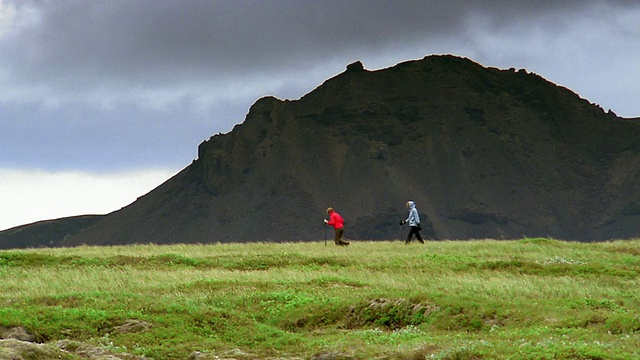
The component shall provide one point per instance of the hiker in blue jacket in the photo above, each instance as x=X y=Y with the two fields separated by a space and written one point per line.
x=414 y=222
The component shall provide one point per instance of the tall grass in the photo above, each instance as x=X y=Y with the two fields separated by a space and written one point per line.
x=483 y=299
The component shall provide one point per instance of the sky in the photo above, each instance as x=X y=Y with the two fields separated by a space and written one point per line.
x=103 y=100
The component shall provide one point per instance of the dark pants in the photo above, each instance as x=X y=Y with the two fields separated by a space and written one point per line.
x=414 y=230
x=338 y=239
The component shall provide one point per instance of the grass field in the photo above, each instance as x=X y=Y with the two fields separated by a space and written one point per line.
x=482 y=299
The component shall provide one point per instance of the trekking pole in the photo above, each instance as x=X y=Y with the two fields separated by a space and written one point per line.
x=325 y=235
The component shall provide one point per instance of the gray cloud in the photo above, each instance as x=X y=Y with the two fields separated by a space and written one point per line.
x=160 y=43
x=110 y=45
x=109 y=84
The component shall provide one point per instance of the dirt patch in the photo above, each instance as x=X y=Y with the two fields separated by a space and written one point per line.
x=87 y=351
x=13 y=349
x=17 y=344
x=389 y=313
x=331 y=355
x=235 y=354
x=18 y=333
x=132 y=326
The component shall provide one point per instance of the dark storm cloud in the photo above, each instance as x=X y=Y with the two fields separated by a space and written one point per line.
x=106 y=46
x=111 y=44
x=141 y=82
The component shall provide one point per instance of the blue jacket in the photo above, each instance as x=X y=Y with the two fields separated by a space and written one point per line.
x=414 y=218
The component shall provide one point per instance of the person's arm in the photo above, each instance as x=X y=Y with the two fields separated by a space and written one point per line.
x=402 y=222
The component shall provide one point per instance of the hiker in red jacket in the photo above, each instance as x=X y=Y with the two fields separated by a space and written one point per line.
x=337 y=222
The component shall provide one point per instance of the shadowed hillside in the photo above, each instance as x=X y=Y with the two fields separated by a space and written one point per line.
x=485 y=153
x=48 y=233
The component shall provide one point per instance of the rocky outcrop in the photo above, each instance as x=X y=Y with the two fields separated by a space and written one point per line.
x=484 y=153
x=17 y=344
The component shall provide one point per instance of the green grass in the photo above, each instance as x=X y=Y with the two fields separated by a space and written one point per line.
x=484 y=299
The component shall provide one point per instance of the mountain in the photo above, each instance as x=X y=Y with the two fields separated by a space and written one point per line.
x=484 y=153
x=48 y=233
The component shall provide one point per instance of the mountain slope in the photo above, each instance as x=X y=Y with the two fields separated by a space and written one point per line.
x=485 y=153
x=49 y=233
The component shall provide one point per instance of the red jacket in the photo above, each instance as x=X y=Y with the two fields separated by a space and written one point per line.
x=336 y=220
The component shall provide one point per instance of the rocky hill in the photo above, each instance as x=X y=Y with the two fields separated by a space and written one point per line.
x=484 y=153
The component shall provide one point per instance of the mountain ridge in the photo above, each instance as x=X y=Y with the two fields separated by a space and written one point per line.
x=484 y=153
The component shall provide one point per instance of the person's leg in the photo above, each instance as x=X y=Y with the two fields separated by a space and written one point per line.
x=338 y=236
x=410 y=234
x=419 y=236
x=339 y=241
